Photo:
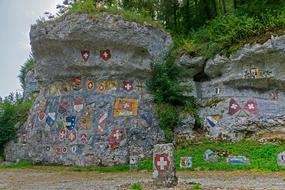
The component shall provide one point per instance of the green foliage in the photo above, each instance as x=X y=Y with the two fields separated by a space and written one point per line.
x=89 y=7
x=225 y=34
x=168 y=119
x=28 y=65
x=13 y=110
x=101 y=169
x=20 y=165
x=169 y=95
x=196 y=186
x=86 y=6
x=136 y=186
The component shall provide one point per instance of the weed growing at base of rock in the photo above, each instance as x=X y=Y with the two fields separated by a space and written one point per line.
x=136 y=186
x=196 y=186
x=20 y=165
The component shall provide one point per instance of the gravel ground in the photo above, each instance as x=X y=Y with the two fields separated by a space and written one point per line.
x=50 y=179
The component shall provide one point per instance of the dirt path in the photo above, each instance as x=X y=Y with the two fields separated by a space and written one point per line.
x=31 y=179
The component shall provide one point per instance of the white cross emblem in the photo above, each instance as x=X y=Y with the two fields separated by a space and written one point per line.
x=105 y=54
x=117 y=135
x=250 y=106
x=127 y=106
x=128 y=87
x=85 y=55
x=162 y=163
x=234 y=106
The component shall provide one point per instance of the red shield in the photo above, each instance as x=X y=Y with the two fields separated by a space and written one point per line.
x=128 y=86
x=116 y=137
x=72 y=136
x=234 y=107
x=105 y=54
x=85 y=54
x=251 y=106
x=161 y=162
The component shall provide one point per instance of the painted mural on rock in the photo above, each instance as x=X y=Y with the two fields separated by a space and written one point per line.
x=93 y=107
x=244 y=95
x=78 y=125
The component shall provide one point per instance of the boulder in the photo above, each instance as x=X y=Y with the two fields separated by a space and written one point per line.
x=281 y=159
x=93 y=107
x=244 y=93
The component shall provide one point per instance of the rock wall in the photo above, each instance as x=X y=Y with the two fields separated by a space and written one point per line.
x=243 y=94
x=93 y=107
x=31 y=87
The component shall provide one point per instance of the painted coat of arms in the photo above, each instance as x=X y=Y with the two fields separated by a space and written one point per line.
x=126 y=107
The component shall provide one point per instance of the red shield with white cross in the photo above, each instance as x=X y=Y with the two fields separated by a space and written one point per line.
x=234 y=107
x=128 y=86
x=85 y=54
x=161 y=162
x=116 y=137
x=105 y=54
x=251 y=106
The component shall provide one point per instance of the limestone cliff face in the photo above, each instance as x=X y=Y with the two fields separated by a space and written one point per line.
x=93 y=107
x=31 y=87
x=242 y=94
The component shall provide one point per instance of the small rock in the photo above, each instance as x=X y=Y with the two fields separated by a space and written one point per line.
x=235 y=160
x=281 y=159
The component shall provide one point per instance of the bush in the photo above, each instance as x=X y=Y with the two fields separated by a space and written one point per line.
x=13 y=110
x=225 y=34
x=169 y=95
x=88 y=7
x=28 y=66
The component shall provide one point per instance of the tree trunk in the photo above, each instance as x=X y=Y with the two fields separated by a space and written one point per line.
x=224 y=6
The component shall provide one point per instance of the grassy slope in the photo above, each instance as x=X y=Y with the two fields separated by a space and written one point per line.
x=89 y=8
x=226 y=34
x=262 y=158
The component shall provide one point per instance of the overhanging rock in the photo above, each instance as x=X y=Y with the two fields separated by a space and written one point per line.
x=244 y=93
x=93 y=107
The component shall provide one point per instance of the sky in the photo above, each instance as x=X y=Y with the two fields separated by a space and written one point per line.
x=16 y=18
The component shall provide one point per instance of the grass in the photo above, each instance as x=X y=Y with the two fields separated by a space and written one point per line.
x=196 y=187
x=88 y=7
x=20 y=165
x=136 y=186
x=101 y=169
x=262 y=158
